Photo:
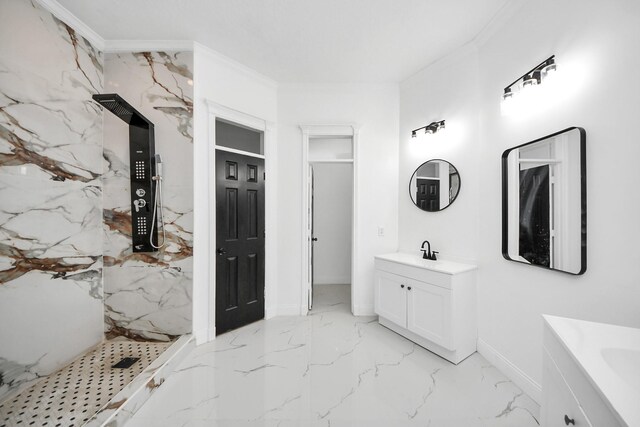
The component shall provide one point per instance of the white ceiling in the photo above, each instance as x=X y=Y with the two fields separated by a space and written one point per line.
x=306 y=41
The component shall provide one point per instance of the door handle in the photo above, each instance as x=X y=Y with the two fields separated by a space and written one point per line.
x=568 y=420
x=314 y=239
x=221 y=251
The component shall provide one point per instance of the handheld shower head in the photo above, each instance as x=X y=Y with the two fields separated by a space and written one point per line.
x=158 y=165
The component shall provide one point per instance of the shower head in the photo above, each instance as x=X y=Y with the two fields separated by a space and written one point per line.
x=122 y=109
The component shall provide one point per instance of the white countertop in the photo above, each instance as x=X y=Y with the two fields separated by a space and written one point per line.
x=609 y=355
x=440 y=266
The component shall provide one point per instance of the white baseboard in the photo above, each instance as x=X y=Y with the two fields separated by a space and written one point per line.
x=201 y=336
x=515 y=374
x=270 y=312
x=288 y=310
x=363 y=310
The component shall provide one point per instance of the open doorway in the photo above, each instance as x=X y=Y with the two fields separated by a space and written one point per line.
x=331 y=200
x=329 y=154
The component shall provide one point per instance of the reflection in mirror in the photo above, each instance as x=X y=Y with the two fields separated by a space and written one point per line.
x=544 y=202
x=434 y=185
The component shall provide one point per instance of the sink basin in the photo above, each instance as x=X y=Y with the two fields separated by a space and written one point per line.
x=625 y=363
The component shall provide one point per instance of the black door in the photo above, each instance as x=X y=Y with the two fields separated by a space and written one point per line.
x=428 y=194
x=535 y=230
x=239 y=240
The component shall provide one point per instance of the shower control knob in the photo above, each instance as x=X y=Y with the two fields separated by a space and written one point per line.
x=139 y=203
x=140 y=192
x=402 y=286
x=409 y=288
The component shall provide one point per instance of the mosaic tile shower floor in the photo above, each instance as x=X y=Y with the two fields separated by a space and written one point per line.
x=72 y=395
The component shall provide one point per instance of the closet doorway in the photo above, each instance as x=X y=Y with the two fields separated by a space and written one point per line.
x=329 y=212
x=331 y=203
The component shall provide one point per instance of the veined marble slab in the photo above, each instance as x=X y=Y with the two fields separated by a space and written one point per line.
x=50 y=193
x=148 y=295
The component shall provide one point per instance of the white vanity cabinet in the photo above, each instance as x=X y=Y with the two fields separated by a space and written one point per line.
x=582 y=385
x=559 y=404
x=432 y=303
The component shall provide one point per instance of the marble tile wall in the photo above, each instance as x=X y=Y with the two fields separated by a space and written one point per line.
x=51 y=297
x=148 y=295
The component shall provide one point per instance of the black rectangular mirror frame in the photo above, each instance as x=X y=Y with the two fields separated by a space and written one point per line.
x=583 y=187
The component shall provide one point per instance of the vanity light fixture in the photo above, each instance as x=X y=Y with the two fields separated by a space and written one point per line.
x=432 y=127
x=531 y=78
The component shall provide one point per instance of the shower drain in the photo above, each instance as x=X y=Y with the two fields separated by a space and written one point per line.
x=126 y=362
x=71 y=396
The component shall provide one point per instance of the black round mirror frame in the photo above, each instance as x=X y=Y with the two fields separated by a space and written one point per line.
x=411 y=195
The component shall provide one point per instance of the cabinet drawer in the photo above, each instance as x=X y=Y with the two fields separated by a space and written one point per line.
x=420 y=274
x=429 y=313
x=559 y=405
x=391 y=297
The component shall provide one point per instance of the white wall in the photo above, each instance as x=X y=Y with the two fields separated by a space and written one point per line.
x=597 y=45
x=332 y=201
x=375 y=108
x=234 y=86
x=446 y=91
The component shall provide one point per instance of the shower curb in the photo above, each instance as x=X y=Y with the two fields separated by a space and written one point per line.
x=129 y=400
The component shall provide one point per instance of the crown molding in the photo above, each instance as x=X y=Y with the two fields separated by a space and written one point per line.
x=115 y=46
x=74 y=22
x=499 y=19
x=218 y=57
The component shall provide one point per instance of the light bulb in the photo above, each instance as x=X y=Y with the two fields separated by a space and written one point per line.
x=549 y=69
x=529 y=81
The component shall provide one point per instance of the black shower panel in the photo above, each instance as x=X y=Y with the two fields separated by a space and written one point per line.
x=141 y=170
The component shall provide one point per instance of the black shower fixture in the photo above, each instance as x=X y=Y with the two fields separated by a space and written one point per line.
x=432 y=127
x=533 y=77
x=142 y=169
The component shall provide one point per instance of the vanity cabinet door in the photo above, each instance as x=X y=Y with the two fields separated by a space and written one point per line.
x=429 y=313
x=391 y=297
x=559 y=405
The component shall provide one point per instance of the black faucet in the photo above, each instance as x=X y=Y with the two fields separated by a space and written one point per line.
x=426 y=253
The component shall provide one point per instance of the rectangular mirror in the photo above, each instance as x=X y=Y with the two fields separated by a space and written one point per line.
x=544 y=202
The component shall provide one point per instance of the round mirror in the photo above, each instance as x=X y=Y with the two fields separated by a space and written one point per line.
x=434 y=185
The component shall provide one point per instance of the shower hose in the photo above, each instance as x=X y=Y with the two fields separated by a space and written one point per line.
x=158 y=201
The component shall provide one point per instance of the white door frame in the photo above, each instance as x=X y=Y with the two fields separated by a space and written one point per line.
x=218 y=111
x=326 y=131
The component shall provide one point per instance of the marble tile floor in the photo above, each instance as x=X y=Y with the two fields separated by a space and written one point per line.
x=73 y=394
x=331 y=369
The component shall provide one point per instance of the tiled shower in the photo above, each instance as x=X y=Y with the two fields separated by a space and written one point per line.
x=68 y=277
